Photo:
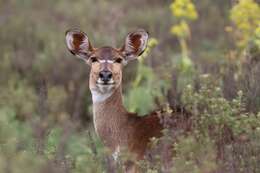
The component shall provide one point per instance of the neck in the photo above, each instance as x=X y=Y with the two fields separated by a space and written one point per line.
x=110 y=107
x=102 y=99
x=109 y=115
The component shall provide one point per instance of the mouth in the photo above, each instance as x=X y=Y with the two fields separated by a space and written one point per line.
x=105 y=86
x=105 y=83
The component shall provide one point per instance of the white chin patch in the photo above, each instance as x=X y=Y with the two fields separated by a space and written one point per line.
x=105 y=88
x=102 y=93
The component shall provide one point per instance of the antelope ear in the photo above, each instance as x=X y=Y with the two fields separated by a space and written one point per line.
x=78 y=43
x=135 y=44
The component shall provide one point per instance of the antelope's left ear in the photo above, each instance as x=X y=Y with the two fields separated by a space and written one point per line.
x=135 y=44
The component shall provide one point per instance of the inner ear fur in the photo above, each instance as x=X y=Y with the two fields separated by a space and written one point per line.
x=135 y=44
x=78 y=43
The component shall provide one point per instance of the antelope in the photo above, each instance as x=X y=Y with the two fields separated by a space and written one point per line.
x=117 y=128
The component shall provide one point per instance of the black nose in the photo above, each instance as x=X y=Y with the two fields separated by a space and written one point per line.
x=105 y=76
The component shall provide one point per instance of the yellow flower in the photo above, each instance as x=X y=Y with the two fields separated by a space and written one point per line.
x=184 y=9
x=181 y=30
x=246 y=17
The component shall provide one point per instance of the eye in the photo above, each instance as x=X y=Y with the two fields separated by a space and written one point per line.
x=93 y=59
x=118 y=60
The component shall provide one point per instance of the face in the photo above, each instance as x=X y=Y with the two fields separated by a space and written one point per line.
x=106 y=62
x=106 y=69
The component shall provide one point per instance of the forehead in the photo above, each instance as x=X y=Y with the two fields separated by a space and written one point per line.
x=106 y=53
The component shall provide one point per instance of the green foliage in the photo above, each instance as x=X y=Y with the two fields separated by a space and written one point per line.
x=146 y=87
x=225 y=125
x=19 y=90
x=223 y=134
x=222 y=94
x=86 y=153
x=16 y=145
x=257 y=37
x=184 y=11
x=18 y=151
x=52 y=142
x=193 y=155
x=209 y=101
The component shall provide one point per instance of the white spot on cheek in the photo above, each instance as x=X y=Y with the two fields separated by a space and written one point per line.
x=124 y=62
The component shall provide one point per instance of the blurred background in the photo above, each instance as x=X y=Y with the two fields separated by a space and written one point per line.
x=45 y=104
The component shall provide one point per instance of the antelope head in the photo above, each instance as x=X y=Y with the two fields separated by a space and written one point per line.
x=106 y=62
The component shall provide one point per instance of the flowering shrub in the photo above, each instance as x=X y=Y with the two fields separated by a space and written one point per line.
x=246 y=17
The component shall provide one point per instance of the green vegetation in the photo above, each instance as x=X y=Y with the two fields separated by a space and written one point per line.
x=203 y=55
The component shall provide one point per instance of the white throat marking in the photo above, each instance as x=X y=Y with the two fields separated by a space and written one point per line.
x=98 y=97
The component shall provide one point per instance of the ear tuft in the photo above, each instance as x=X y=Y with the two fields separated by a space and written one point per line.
x=78 y=43
x=135 y=44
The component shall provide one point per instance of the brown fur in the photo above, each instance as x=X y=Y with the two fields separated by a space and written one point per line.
x=117 y=127
x=106 y=53
x=113 y=123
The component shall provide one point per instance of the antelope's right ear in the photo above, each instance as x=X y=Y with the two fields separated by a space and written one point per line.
x=78 y=43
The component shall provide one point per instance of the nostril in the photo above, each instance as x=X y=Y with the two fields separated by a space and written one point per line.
x=109 y=75
x=101 y=75
x=105 y=75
